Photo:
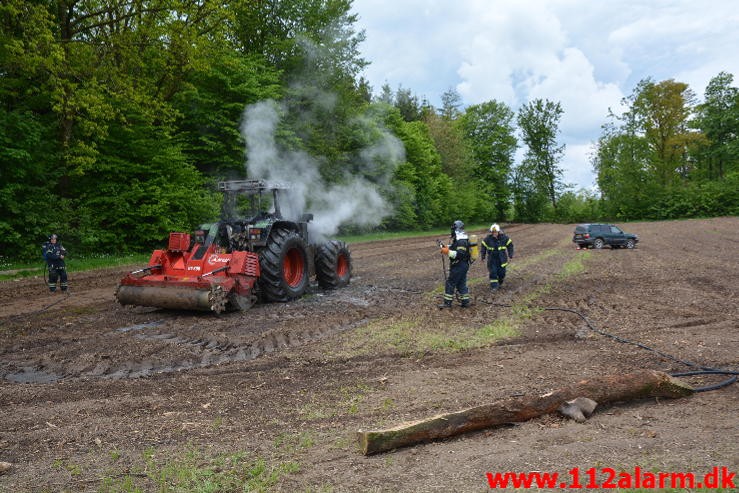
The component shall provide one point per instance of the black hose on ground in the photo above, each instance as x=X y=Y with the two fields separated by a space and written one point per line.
x=702 y=370
x=36 y=312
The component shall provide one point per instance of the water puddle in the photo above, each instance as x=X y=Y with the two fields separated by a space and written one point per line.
x=143 y=326
x=29 y=374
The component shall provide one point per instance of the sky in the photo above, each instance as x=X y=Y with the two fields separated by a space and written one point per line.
x=585 y=54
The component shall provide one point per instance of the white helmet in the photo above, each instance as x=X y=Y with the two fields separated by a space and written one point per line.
x=495 y=228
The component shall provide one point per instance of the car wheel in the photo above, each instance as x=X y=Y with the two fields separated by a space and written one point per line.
x=598 y=243
x=630 y=244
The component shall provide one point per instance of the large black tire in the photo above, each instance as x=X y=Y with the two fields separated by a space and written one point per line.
x=284 y=266
x=333 y=265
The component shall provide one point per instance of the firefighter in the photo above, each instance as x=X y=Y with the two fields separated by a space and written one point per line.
x=54 y=253
x=498 y=248
x=459 y=263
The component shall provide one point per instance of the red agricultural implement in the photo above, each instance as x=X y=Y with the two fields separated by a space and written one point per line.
x=233 y=263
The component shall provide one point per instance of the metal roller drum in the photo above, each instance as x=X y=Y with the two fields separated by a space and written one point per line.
x=172 y=297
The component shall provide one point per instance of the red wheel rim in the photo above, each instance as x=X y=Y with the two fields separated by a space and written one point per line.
x=342 y=266
x=293 y=268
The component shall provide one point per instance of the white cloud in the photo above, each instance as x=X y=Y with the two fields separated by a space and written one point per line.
x=577 y=167
x=586 y=55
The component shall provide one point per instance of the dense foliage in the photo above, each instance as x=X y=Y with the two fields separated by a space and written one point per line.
x=117 y=120
x=668 y=157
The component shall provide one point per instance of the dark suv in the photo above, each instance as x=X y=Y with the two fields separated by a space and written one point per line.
x=599 y=235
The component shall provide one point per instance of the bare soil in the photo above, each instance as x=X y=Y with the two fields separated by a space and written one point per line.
x=90 y=389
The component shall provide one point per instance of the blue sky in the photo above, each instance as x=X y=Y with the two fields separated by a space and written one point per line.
x=585 y=54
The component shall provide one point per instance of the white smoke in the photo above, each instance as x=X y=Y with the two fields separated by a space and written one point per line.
x=355 y=201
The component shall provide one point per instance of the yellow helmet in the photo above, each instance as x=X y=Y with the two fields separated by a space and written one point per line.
x=494 y=228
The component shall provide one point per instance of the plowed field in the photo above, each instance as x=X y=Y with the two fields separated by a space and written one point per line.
x=95 y=396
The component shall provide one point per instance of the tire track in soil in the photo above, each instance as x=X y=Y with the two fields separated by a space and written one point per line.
x=202 y=351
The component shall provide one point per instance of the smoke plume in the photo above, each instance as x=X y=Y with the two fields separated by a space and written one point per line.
x=354 y=201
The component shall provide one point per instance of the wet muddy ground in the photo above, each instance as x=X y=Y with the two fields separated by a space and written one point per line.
x=93 y=394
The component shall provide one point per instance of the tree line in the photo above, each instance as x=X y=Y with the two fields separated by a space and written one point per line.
x=119 y=117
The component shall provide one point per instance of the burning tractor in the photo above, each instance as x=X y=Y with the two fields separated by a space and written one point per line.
x=233 y=263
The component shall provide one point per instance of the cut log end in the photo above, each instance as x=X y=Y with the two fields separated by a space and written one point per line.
x=671 y=387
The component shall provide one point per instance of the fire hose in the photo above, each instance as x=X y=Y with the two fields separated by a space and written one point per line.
x=443 y=261
x=699 y=370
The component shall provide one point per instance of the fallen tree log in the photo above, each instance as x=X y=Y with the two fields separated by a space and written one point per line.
x=627 y=387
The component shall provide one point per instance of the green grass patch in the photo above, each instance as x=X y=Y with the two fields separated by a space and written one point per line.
x=469 y=338
x=17 y=270
x=574 y=266
x=411 y=338
x=500 y=329
x=193 y=472
x=383 y=335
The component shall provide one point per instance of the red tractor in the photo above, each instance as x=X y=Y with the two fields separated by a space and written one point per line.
x=233 y=263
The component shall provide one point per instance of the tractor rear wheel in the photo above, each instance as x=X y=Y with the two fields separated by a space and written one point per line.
x=284 y=266
x=333 y=265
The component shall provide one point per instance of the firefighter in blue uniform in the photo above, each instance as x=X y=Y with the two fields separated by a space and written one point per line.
x=498 y=248
x=459 y=263
x=54 y=253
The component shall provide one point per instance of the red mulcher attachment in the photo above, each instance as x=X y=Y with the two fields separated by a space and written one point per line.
x=193 y=278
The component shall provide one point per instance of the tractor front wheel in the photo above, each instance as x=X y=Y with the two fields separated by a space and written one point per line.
x=284 y=267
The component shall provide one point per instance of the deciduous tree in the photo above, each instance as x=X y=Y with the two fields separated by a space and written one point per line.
x=538 y=122
x=718 y=118
x=488 y=131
